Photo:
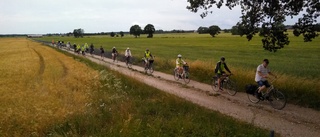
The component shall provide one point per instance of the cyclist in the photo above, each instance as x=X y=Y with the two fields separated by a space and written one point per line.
x=52 y=42
x=261 y=78
x=75 y=47
x=68 y=45
x=128 y=55
x=114 y=53
x=179 y=64
x=221 y=74
x=78 y=49
x=86 y=47
x=91 y=49
x=101 y=52
x=83 y=50
x=147 y=56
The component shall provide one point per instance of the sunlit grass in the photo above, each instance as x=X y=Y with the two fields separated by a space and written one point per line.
x=39 y=87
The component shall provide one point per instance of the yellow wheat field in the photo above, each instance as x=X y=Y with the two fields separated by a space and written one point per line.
x=40 y=87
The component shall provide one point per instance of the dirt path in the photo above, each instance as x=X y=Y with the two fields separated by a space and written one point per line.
x=293 y=121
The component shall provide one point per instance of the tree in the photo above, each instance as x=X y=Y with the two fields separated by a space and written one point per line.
x=135 y=30
x=235 y=30
x=149 y=29
x=203 y=30
x=78 y=33
x=121 y=34
x=214 y=30
x=269 y=14
x=112 y=34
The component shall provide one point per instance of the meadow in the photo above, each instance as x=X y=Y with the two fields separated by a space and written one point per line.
x=46 y=92
x=296 y=65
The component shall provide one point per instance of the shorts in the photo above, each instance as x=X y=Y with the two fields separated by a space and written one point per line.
x=220 y=74
x=263 y=83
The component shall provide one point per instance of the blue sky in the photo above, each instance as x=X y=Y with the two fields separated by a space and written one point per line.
x=62 y=16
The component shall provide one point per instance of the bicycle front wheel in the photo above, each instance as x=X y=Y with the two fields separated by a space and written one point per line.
x=214 y=84
x=151 y=70
x=253 y=98
x=277 y=99
x=186 y=77
x=231 y=87
x=175 y=75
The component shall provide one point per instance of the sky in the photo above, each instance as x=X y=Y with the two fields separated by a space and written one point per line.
x=93 y=16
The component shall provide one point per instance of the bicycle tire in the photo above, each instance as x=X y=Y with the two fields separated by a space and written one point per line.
x=175 y=75
x=277 y=99
x=231 y=87
x=186 y=77
x=150 y=70
x=214 y=84
x=252 y=98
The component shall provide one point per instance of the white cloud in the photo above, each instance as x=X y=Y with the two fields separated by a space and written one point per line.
x=60 y=16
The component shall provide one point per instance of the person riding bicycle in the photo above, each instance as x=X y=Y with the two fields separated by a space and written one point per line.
x=91 y=49
x=86 y=47
x=261 y=78
x=101 y=52
x=78 y=49
x=179 y=64
x=221 y=74
x=147 y=57
x=127 y=54
x=114 y=53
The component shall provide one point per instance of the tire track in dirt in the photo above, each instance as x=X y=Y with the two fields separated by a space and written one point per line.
x=42 y=64
x=64 y=68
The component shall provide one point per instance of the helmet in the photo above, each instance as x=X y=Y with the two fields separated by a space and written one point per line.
x=114 y=47
x=147 y=49
x=127 y=48
x=222 y=59
x=179 y=56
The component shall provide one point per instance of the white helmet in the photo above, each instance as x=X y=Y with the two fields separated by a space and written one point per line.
x=179 y=56
x=127 y=48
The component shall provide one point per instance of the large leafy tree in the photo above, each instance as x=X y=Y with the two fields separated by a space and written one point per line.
x=214 y=30
x=269 y=15
x=203 y=30
x=78 y=33
x=135 y=30
x=149 y=29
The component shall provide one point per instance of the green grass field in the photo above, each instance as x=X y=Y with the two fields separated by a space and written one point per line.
x=46 y=93
x=297 y=64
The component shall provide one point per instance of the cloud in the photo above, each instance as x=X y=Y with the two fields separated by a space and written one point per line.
x=61 y=16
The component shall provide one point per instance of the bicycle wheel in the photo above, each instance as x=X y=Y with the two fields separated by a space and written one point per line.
x=214 y=84
x=231 y=87
x=277 y=99
x=186 y=77
x=175 y=75
x=150 y=69
x=253 y=98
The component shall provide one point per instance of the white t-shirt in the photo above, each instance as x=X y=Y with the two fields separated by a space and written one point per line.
x=263 y=70
x=127 y=53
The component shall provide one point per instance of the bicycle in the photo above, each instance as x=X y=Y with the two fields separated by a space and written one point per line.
x=114 y=57
x=148 y=66
x=226 y=83
x=275 y=97
x=129 y=62
x=185 y=75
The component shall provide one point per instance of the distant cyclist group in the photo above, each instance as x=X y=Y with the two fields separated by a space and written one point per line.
x=181 y=69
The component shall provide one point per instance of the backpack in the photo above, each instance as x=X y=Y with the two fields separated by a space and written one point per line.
x=216 y=69
x=250 y=88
